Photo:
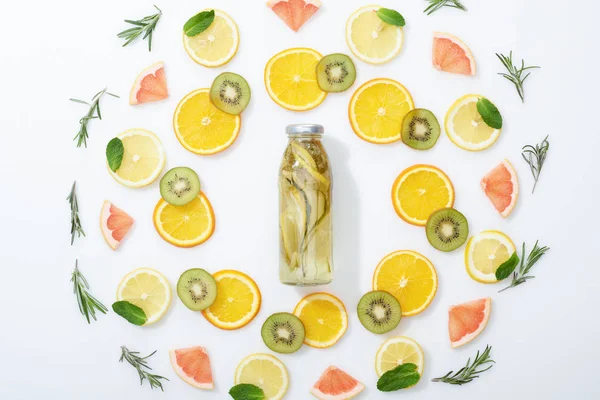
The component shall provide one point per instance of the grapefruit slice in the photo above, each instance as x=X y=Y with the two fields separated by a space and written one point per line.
x=294 y=12
x=114 y=223
x=501 y=186
x=466 y=321
x=150 y=85
x=336 y=384
x=193 y=366
x=450 y=54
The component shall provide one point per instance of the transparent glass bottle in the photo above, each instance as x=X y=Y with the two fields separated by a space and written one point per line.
x=305 y=223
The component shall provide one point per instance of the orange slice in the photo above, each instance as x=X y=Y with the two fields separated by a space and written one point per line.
x=237 y=303
x=114 y=223
x=201 y=127
x=324 y=317
x=466 y=321
x=294 y=12
x=419 y=191
x=501 y=186
x=450 y=54
x=377 y=109
x=150 y=85
x=193 y=366
x=409 y=277
x=185 y=226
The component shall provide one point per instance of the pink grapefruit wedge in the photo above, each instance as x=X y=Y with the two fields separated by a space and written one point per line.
x=150 y=85
x=466 y=321
x=294 y=12
x=501 y=186
x=336 y=384
x=450 y=54
x=193 y=366
x=114 y=223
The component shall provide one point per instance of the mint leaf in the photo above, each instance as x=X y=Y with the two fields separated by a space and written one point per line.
x=507 y=267
x=199 y=23
x=130 y=312
x=114 y=153
x=403 y=376
x=489 y=113
x=246 y=391
x=391 y=17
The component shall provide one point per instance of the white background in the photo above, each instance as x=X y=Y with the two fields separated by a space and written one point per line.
x=544 y=334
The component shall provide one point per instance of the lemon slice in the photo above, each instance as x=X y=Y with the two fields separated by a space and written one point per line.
x=215 y=46
x=324 y=317
x=147 y=289
x=370 y=39
x=485 y=252
x=466 y=128
x=397 y=351
x=266 y=372
x=143 y=158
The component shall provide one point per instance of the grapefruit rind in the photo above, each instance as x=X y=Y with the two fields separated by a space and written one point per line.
x=455 y=41
x=515 y=186
x=328 y=378
x=137 y=85
x=457 y=139
x=107 y=233
x=473 y=272
x=185 y=377
x=289 y=11
x=472 y=335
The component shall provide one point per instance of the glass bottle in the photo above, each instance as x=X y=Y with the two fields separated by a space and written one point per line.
x=305 y=223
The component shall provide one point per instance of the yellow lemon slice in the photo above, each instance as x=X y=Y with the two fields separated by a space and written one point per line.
x=215 y=46
x=466 y=128
x=291 y=79
x=371 y=39
x=397 y=351
x=237 y=303
x=419 y=191
x=377 y=109
x=147 y=289
x=143 y=158
x=266 y=372
x=324 y=317
x=409 y=277
x=185 y=226
x=201 y=127
x=485 y=252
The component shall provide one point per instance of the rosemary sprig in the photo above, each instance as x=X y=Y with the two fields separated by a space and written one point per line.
x=521 y=276
x=93 y=112
x=435 y=5
x=75 y=222
x=141 y=365
x=145 y=25
x=469 y=372
x=535 y=157
x=515 y=74
x=88 y=304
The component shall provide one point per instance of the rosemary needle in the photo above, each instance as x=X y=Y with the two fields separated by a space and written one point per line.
x=515 y=74
x=88 y=304
x=141 y=365
x=93 y=112
x=470 y=371
x=535 y=156
x=522 y=275
x=435 y=5
x=145 y=25
x=75 y=222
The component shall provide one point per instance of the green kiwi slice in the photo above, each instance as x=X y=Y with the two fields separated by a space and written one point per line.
x=420 y=129
x=283 y=333
x=230 y=93
x=379 y=312
x=336 y=73
x=447 y=229
x=179 y=186
x=197 y=289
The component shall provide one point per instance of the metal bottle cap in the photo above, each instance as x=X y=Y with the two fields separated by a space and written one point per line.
x=304 y=129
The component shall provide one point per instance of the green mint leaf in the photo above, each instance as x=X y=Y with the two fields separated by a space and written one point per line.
x=391 y=17
x=199 y=23
x=114 y=153
x=403 y=376
x=507 y=267
x=489 y=113
x=130 y=312
x=246 y=391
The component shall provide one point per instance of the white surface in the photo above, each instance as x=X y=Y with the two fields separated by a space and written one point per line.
x=544 y=334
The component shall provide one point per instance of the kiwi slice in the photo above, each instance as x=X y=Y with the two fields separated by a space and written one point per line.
x=335 y=73
x=379 y=311
x=197 y=289
x=283 y=333
x=420 y=129
x=230 y=93
x=447 y=229
x=179 y=186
